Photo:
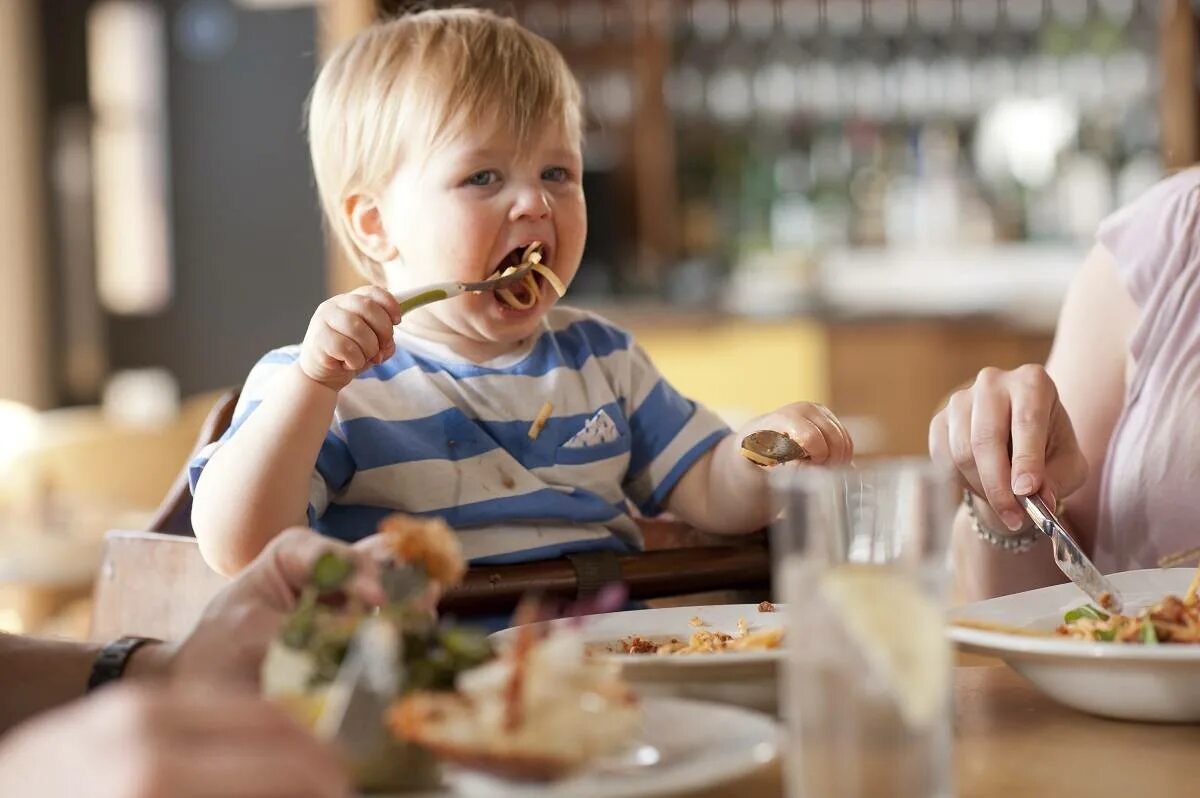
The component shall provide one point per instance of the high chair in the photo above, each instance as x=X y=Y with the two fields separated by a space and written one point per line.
x=678 y=561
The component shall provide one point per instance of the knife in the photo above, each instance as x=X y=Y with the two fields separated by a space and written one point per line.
x=1069 y=558
x=365 y=686
x=369 y=678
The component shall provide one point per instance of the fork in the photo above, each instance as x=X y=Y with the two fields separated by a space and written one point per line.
x=436 y=292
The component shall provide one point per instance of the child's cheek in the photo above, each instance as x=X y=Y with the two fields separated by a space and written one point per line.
x=476 y=303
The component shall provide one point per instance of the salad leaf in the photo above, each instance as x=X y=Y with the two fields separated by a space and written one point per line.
x=467 y=645
x=301 y=624
x=1086 y=611
x=331 y=571
x=1149 y=636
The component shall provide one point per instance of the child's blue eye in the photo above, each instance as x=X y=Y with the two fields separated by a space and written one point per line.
x=556 y=174
x=484 y=178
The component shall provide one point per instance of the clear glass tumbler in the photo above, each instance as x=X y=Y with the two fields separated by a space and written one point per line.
x=862 y=566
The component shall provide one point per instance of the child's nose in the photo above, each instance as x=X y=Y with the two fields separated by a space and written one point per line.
x=530 y=204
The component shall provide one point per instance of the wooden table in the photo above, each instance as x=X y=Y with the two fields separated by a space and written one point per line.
x=1011 y=742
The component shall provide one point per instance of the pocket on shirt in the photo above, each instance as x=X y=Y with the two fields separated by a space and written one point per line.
x=582 y=455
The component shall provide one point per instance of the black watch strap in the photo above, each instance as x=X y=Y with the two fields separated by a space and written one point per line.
x=111 y=661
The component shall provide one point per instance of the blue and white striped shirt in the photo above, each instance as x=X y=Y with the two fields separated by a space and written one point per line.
x=429 y=433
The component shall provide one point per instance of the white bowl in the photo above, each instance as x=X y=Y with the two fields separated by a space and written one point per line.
x=1127 y=681
x=742 y=678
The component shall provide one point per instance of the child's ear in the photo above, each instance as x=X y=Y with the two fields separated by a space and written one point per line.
x=365 y=223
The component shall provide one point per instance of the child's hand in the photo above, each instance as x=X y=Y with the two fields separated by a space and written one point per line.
x=349 y=333
x=812 y=426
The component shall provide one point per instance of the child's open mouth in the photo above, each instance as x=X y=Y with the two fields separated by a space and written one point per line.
x=525 y=294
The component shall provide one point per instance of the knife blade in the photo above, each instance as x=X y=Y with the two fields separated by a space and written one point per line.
x=369 y=678
x=402 y=582
x=363 y=690
x=1069 y=557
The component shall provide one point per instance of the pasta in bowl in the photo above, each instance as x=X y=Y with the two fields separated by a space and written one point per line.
x=1093 y=660
x=1170 y=620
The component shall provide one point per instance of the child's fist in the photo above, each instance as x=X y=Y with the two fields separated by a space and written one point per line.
x=349 y=333
x=812 y=426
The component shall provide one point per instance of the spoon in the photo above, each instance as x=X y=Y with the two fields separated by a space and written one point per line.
x=770 y=448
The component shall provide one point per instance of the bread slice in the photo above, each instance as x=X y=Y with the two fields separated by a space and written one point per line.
x=535 y=739
x=442 y=723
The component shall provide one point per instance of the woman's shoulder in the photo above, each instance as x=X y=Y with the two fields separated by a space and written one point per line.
x=1154 y=237
x=1166 y=193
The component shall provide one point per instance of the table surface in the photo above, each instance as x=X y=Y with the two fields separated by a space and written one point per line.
x=1011 y=740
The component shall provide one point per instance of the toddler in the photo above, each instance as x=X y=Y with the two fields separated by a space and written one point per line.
x=445 y=144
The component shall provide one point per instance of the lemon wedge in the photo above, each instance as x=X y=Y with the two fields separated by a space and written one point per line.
x=305 y=708
x=899 y=629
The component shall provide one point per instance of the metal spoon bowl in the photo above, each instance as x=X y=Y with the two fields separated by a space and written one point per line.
x=770 y=448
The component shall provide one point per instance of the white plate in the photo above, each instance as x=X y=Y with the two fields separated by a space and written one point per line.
x=743 y=678
x=1116 y=680
x=685 y=746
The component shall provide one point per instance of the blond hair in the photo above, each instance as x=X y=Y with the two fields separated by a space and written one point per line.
x=401 y=87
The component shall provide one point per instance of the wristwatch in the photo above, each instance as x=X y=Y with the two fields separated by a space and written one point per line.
x=111 y=661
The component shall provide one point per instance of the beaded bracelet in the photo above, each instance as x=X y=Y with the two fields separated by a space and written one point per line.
x=1013 y=542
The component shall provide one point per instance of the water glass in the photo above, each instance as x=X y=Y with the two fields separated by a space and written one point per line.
x=862 y=566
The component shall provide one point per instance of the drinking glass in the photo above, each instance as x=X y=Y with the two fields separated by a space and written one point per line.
x=862 y=566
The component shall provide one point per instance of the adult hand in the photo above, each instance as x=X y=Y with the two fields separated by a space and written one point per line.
x=231 y=638
x=168 y=741
x=972 y=434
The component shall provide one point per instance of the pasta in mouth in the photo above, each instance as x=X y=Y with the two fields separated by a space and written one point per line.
x=527 y=293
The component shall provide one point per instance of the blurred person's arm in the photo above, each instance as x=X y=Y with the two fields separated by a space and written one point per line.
x=201 y=733
x=226 y=646
x=36 y=675
x=1086 y=371
x=168 y=740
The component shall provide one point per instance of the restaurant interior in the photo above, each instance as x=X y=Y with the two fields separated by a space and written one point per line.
x=859 y=203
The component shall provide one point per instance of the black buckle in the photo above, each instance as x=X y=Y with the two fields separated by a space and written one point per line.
x=594 y=570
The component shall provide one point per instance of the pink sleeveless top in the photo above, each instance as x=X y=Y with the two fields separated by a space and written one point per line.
x=1150 y=488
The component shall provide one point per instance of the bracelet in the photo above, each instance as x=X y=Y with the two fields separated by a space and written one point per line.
x=110 y=663
x=1015 y=543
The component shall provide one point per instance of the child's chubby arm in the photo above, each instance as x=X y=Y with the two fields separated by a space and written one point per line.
x=725 y=492
x=257 y=483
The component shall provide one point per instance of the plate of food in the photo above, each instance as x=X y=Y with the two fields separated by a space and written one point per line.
x=545 y=720
x=726 y=653
x=1143 y=664
x=421 y=707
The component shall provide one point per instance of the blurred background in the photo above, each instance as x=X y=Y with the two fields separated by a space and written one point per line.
x=857 y=202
